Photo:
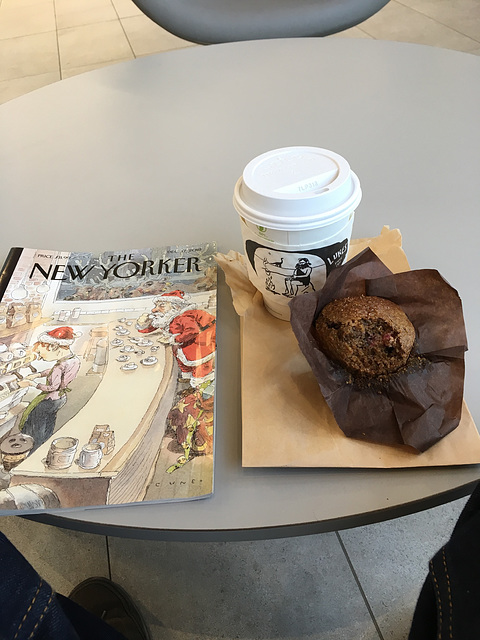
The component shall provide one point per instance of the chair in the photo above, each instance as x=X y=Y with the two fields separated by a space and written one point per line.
x=216 y=21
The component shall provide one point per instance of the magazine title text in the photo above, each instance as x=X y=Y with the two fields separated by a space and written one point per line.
x=118 y=266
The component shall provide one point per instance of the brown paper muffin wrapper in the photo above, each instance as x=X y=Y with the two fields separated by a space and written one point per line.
x=416 y=407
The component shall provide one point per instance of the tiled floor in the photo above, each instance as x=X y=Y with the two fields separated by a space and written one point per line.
x=357 y=584
x=42 y=41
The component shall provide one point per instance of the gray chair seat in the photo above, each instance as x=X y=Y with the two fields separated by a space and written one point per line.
x=216 y=21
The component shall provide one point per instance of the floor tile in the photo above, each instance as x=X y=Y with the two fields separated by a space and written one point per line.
x=92 y=44
x=391 y=562
x=146 y=37
x=462 y=15
x=75 y=71
x=24 y=3
x=71 y=13
x=26 y=20
x=126 y=8
x=63 y=558
x=289 y=588
x=28 y=56
x=353 y=32
x=400 y=23
x=10 y=89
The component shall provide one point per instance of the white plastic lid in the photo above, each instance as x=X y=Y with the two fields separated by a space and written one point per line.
x=297 y=188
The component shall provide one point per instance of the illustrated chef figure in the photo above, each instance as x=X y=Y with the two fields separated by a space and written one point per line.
x=38 y=419
x=189 y=330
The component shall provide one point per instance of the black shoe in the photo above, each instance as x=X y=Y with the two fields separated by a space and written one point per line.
x=106 y=600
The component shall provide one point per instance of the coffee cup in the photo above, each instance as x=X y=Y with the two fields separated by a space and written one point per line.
x=296 y=208
x=61 y=452
x=91 y=455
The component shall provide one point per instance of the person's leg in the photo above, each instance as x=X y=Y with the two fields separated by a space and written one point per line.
x=28 y=605
x=30 y=609
x=424 y=623
x=448 y=604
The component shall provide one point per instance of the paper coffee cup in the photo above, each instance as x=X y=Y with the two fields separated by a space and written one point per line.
x=296 y=207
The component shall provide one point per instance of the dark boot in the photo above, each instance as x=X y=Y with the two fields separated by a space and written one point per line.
x=108 y=601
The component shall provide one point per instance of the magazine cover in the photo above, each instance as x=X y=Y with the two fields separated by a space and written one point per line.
x=107 y=377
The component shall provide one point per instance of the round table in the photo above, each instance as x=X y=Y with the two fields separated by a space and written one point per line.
x=146 y=153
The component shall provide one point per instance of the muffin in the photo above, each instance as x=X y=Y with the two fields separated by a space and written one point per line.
x=367 y=335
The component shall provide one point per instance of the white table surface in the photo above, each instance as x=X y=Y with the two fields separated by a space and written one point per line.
x=147 y=152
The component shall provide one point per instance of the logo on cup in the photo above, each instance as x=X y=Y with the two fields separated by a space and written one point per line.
x=290 y=273
x=262 y=232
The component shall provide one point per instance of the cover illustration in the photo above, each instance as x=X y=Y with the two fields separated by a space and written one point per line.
x=107 y=377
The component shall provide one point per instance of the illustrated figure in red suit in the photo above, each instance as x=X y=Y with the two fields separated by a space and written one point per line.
x=189 y=330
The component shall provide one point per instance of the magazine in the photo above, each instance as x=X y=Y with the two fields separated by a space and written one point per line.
x=107 y=377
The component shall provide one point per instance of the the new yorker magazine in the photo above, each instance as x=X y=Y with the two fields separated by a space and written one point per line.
x=107 y=377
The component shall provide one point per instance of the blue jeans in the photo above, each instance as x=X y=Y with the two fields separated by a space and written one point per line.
x=449 y=603
x=31 y=610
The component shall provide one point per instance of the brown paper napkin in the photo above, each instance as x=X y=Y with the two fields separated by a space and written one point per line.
x=285 y=419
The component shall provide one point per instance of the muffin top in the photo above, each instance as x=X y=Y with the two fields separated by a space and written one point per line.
x=367 y=335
